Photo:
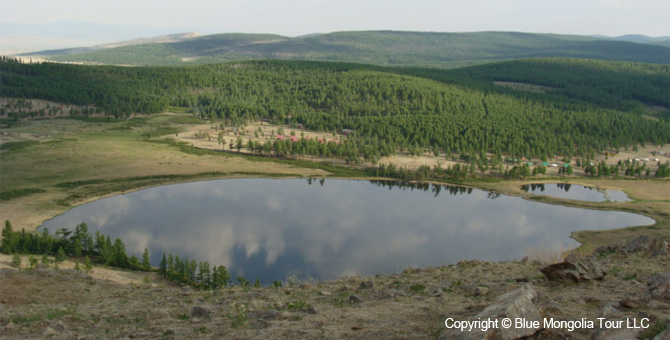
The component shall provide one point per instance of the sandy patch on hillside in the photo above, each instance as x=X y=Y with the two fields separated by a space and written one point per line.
x=98 y=273
x=197 y=135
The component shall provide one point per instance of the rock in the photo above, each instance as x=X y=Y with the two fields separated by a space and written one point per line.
x=310 y=310
x=655 y=304
x=366 y=285
x=436 y=292
x=355 y=299
x=519 y=303
x=646 y=244
x=658 y=286
x=609 y=310
x=325 y=293
x=583 y=270
x=200 y=312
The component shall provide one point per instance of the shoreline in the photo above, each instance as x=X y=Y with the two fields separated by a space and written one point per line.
x=509 y=188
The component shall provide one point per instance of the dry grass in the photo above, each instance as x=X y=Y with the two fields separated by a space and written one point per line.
x=545 y=254
x=46 y=303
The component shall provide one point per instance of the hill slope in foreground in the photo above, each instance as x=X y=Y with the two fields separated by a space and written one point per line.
x=395 y=48
x=414 y=303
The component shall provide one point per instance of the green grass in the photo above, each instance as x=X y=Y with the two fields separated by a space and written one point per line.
x=161 y=131
x=12 y=194
x=186 y=120
x=18 y=145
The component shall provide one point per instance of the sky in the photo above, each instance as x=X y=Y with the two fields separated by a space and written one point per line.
x=298 y=17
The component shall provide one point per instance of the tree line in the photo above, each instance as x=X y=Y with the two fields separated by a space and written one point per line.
x=99 y=248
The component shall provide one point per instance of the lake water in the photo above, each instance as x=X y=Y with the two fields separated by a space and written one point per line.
x=274 y=228
x=576 y=192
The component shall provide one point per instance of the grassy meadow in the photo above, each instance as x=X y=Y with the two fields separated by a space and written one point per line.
x=86 y=160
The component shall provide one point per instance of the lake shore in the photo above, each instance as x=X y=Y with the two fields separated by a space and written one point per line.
x=103 y=159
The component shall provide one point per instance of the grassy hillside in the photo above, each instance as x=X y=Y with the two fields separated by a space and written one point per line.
x=462 y=113
x=444 y=50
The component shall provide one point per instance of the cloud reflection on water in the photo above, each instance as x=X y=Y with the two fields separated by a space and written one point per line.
x=269 y=229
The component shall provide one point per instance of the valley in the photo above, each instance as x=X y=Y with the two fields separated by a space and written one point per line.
x=349 y=144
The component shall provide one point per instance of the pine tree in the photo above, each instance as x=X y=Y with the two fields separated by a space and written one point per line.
x=146 y=264
x=9 y=241
x=162 y=267
x=60 y=255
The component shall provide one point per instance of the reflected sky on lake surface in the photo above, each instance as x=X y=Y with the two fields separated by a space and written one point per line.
x=273 y=228
x=576 y=192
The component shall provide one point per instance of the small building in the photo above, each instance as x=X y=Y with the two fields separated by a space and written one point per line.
x=347 y=132
x=545 y=163
x=554 y=165
x=280 y=137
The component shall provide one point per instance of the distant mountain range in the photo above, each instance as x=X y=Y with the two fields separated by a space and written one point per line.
x=641 y=39
x=395 y=48
x=21 y=38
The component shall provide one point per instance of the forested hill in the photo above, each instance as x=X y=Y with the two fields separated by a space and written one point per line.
x=389 y=110
x=632 y=87
x=397 y=48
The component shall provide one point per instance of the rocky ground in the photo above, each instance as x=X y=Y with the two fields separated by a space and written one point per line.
x=624 y=282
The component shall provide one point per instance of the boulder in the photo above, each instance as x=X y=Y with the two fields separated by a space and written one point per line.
x=658 y=286
x=519 y=303
x=643 y=244
x=585 y=269
x=646 y=244
x=355 y=299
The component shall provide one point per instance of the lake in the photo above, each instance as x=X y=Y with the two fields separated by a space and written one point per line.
x=271 y=229
x=576 y=192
